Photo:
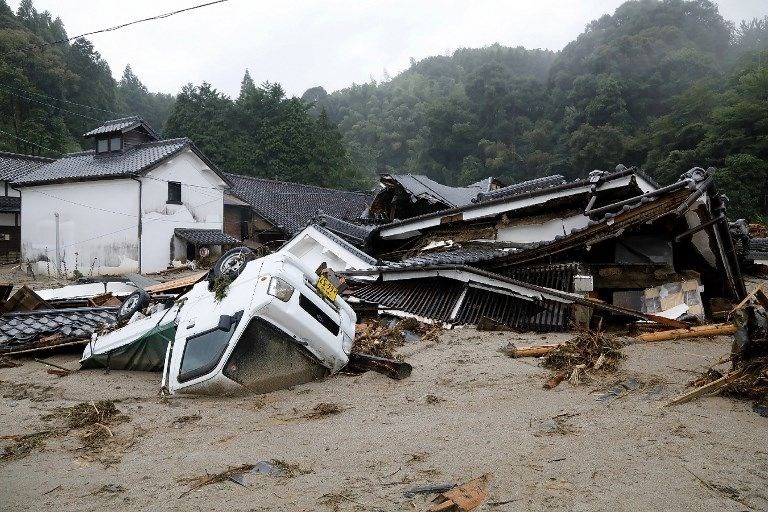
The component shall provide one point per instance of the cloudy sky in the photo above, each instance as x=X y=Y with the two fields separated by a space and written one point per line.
x=332 y=43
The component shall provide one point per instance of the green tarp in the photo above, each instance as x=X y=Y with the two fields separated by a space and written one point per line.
x=145 y=354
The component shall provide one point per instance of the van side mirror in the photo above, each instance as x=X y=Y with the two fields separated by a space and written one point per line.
x=226 y=321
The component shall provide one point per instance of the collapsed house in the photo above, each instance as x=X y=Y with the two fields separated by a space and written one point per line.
x=542 y=255
x=529 y=255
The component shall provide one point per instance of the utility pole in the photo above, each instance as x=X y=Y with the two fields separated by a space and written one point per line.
x=58 y=252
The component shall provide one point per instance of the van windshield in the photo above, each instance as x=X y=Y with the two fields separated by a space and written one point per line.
x=203 y=352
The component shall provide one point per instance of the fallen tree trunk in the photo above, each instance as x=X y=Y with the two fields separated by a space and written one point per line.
x=693 y=332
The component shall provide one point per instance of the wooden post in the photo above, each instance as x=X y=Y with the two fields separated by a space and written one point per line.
x=693 y=332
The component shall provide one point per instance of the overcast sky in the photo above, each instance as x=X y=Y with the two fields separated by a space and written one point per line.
x=332 y=43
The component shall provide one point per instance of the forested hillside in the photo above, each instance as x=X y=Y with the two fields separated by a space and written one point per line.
x=664 y=85
x=661 y=84
x=52 y=95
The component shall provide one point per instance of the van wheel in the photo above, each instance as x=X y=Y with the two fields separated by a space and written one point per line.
x=232 y=262
x=136 y=301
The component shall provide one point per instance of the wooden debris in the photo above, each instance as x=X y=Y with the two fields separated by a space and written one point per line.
x=176 y=284
x=198 y=482
x=555 y=380
x=465 y=497
x=61 y=368
x=105 y=300
x=56 y=371
x=533 y=351
x=693 y=332
x=25 y=299
x=706 y=389
x=8 y=363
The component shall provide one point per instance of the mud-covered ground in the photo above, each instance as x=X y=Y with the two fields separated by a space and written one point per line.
x=466 y=410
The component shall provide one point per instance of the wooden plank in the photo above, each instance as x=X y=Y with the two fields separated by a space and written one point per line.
x=706 y=389
x=533 y=351
x=746 y=299
x=45 y=347
x=176 y=284
x=693 y=332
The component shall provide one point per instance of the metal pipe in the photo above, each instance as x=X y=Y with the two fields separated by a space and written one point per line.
x=58 y=253
x=652 y=193
x=698 y=228
x=140 y=225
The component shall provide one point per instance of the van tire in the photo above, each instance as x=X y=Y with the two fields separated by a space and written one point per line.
x=136 y=301
x=232 y=263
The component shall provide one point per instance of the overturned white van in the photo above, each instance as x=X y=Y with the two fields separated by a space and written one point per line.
x=277 y=324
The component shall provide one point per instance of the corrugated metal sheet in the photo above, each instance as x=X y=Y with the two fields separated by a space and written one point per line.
x=522 y=314
x=432 y=298
x=558 y=276
x=436 y=299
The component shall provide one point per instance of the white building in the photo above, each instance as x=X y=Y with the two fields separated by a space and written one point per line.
x=134 y=204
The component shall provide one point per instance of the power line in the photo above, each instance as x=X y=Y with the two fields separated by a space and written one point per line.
x=111 y=29
x=60 y=99
x=33 y=143
x=52 y=106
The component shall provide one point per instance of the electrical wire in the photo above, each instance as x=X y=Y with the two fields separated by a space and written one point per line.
x=112 y=29
x=54 y=106
x=30 y=142
x=14 y=89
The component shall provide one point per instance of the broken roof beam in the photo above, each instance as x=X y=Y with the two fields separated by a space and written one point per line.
x=415 y=225
x=661 y=191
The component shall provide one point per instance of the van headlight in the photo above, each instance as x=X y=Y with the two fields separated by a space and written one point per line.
x=280 y=289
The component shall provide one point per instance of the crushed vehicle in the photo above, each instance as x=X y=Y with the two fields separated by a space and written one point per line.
x=278 y=324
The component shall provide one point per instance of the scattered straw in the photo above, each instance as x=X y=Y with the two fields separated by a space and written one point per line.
x=24 y=444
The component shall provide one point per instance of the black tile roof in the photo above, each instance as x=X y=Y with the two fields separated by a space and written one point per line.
x=353 y=233
x=290 y=206
x=24 y=328
x=13 y=166
x=523 y=187
x=758 y=244
x=469 y=255
x=122 y=125
x=10 y=204
x=87 y=165
x=205 y=236
x=535 y=192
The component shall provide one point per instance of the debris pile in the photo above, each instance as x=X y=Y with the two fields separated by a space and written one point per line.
x=381 y=339
x=589 y=351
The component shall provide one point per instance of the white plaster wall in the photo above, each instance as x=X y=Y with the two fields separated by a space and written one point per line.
x=540 y=230
x=97 y=219
x=202 y=197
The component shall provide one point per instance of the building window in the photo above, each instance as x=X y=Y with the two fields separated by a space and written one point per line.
x=113 y=145
x=174 y=192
